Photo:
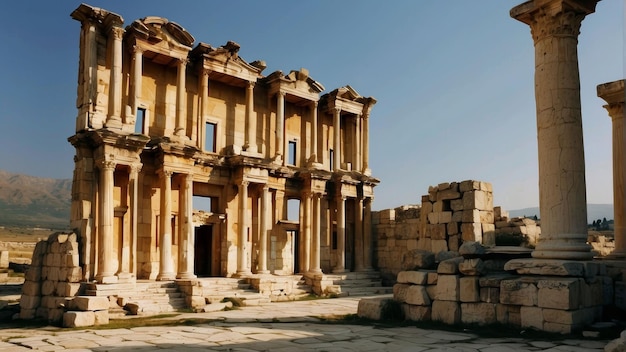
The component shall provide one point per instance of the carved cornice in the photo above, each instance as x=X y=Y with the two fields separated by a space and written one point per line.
x=563 y=24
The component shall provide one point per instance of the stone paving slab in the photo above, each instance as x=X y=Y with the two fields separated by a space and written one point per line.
x=276 y=327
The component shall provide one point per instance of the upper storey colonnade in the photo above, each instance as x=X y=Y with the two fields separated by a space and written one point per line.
x=149 y=78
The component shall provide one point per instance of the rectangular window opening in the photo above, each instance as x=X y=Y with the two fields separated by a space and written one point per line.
x=210 y=137
x=292 y=152
x=140 y=121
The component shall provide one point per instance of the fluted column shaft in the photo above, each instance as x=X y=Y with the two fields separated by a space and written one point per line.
x=358 y=236
x=106 y=265
x=337 y=139
x=242 y=247
x=250 y=144
x=614 y=94
x=166 y=267
x=314 y=132
x=179 y=131
x=186 y=232
x=315 y=266
x=368 y=246
x=341 y=236
x=562 y=192
x=280 y=127
x=114 y=119
x=263 y=228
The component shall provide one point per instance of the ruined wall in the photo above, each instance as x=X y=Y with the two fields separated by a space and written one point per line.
x=450 y=214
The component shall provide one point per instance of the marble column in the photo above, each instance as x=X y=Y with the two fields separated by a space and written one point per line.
x=89 y=80
x=368 y=246
x=134 y=201
x=179 y=131
x=186 y=234
x=280 y=128
x=337 y=139
x=356 y=164
x=366 y=143
x=313 y=158
x=555 y=26
x=341 y=236
x=166 y=267
x=315 y=266
x=614 y=94
x=263 y=228
x=136 y=77
x=358 y=236
x=250 y=143
x=106 y=252
x=305 y=227
x=114 y=119
x=203 y=87
x=243 y=250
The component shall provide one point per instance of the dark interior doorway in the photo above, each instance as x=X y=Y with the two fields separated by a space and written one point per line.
x=203 y=250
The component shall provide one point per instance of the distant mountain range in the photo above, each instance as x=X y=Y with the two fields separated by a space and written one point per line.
x=29 y=201
x=594 y=212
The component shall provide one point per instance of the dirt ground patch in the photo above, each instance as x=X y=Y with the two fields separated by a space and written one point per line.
x=20 y=242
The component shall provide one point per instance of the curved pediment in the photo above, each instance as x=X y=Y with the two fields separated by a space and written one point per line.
x=158 y=30
x=225 y=63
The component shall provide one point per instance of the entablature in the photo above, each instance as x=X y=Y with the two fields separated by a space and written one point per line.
x=299 y=88
x=225 y=65
x=162 y=41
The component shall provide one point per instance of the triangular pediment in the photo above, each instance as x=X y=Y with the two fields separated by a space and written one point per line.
x=225 y=60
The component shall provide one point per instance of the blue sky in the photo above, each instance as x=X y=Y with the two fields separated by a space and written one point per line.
x=453 y=80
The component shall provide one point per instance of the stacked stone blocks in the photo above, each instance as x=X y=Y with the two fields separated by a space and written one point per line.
x=52 y=285
x=463 y=290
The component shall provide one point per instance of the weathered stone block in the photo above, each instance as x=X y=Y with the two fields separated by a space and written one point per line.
x=591 y=292
x=578 y=317
x=518 y=292
x=55 y=315
x=531 y=317
x=90 y=303
x=608 y=291
x=472 y=267
x=417 y=259
x=559 y=293
x=447 y=312
x=400 y=292
x=48 y=288
x=490 y=295
x=452 y=227
x=29 y=302
x=432 y=278
x=489 y=235
x=508 y=314
x=450 y=266
x=620 y=294
x=431 y=290
x=472 y=232
x=31 y=288
x=33 y=274
x=416 y=313
x=448 y=288
x=549 y=267
x=437 y=231
x=471 y=215
x=469 y=289
x=480 y=200
x=486 y=217
x=101 y=317
x=448 y=194
x=454 y=242
x=469 y=185
x=378 y=308
x=412 y=277
x=457 y=216
x=4 y=259
x=478 y=313
x=417 y=295
x=78 y=319
x=456 y=204
x=439 y=245
x=27 y=314
x=471 y=249
x=68 y=289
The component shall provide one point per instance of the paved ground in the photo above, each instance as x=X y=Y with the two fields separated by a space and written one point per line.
x=293 y=326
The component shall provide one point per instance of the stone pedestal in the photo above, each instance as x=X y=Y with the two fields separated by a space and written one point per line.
x=555 y=26
x=614 y=94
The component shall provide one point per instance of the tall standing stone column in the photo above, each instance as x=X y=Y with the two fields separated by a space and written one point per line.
x=305 y=261
x=166 y=267
x=263 y=228
x=280 y=128
x=179 y=131
x=341 y=235
x=367 y=235
x=359 y=247
x=106 y=265
x=250 y=144
x=315 y=266
x=242 y=247
x=337 y=139
x=136 y=78
x=114 y=119
x=555 y=26
x=313 y=158
x=186 y=243
x=614 y=94
x=134 y=200
x=203 y=87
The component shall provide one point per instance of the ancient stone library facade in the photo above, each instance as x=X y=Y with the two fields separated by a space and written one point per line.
x=189 y=160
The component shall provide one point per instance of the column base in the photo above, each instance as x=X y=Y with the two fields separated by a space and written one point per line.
x=113 y=122
x=263 y=272
x=166 y=277
x=186 y=276
x=125 y=277
x=277 y=160
x=242 y=274
x=106 y=279
x=564 y=247
x=340 y=270
x=555 y=267
x=315 y=271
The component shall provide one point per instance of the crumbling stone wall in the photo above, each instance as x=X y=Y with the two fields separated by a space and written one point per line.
x=450 y=214
x=52 y=285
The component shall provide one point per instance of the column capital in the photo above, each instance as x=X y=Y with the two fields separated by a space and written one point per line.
x=251 y=84
x=553 y=17
x=117 y=32
x=281 y=93
x=135 y=168
x=137 y=49
x=107 y=165
x=244 y=183
x=166 y=173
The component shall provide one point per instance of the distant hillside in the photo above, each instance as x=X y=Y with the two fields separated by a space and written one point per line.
x=594 y=212
x=28 y=201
